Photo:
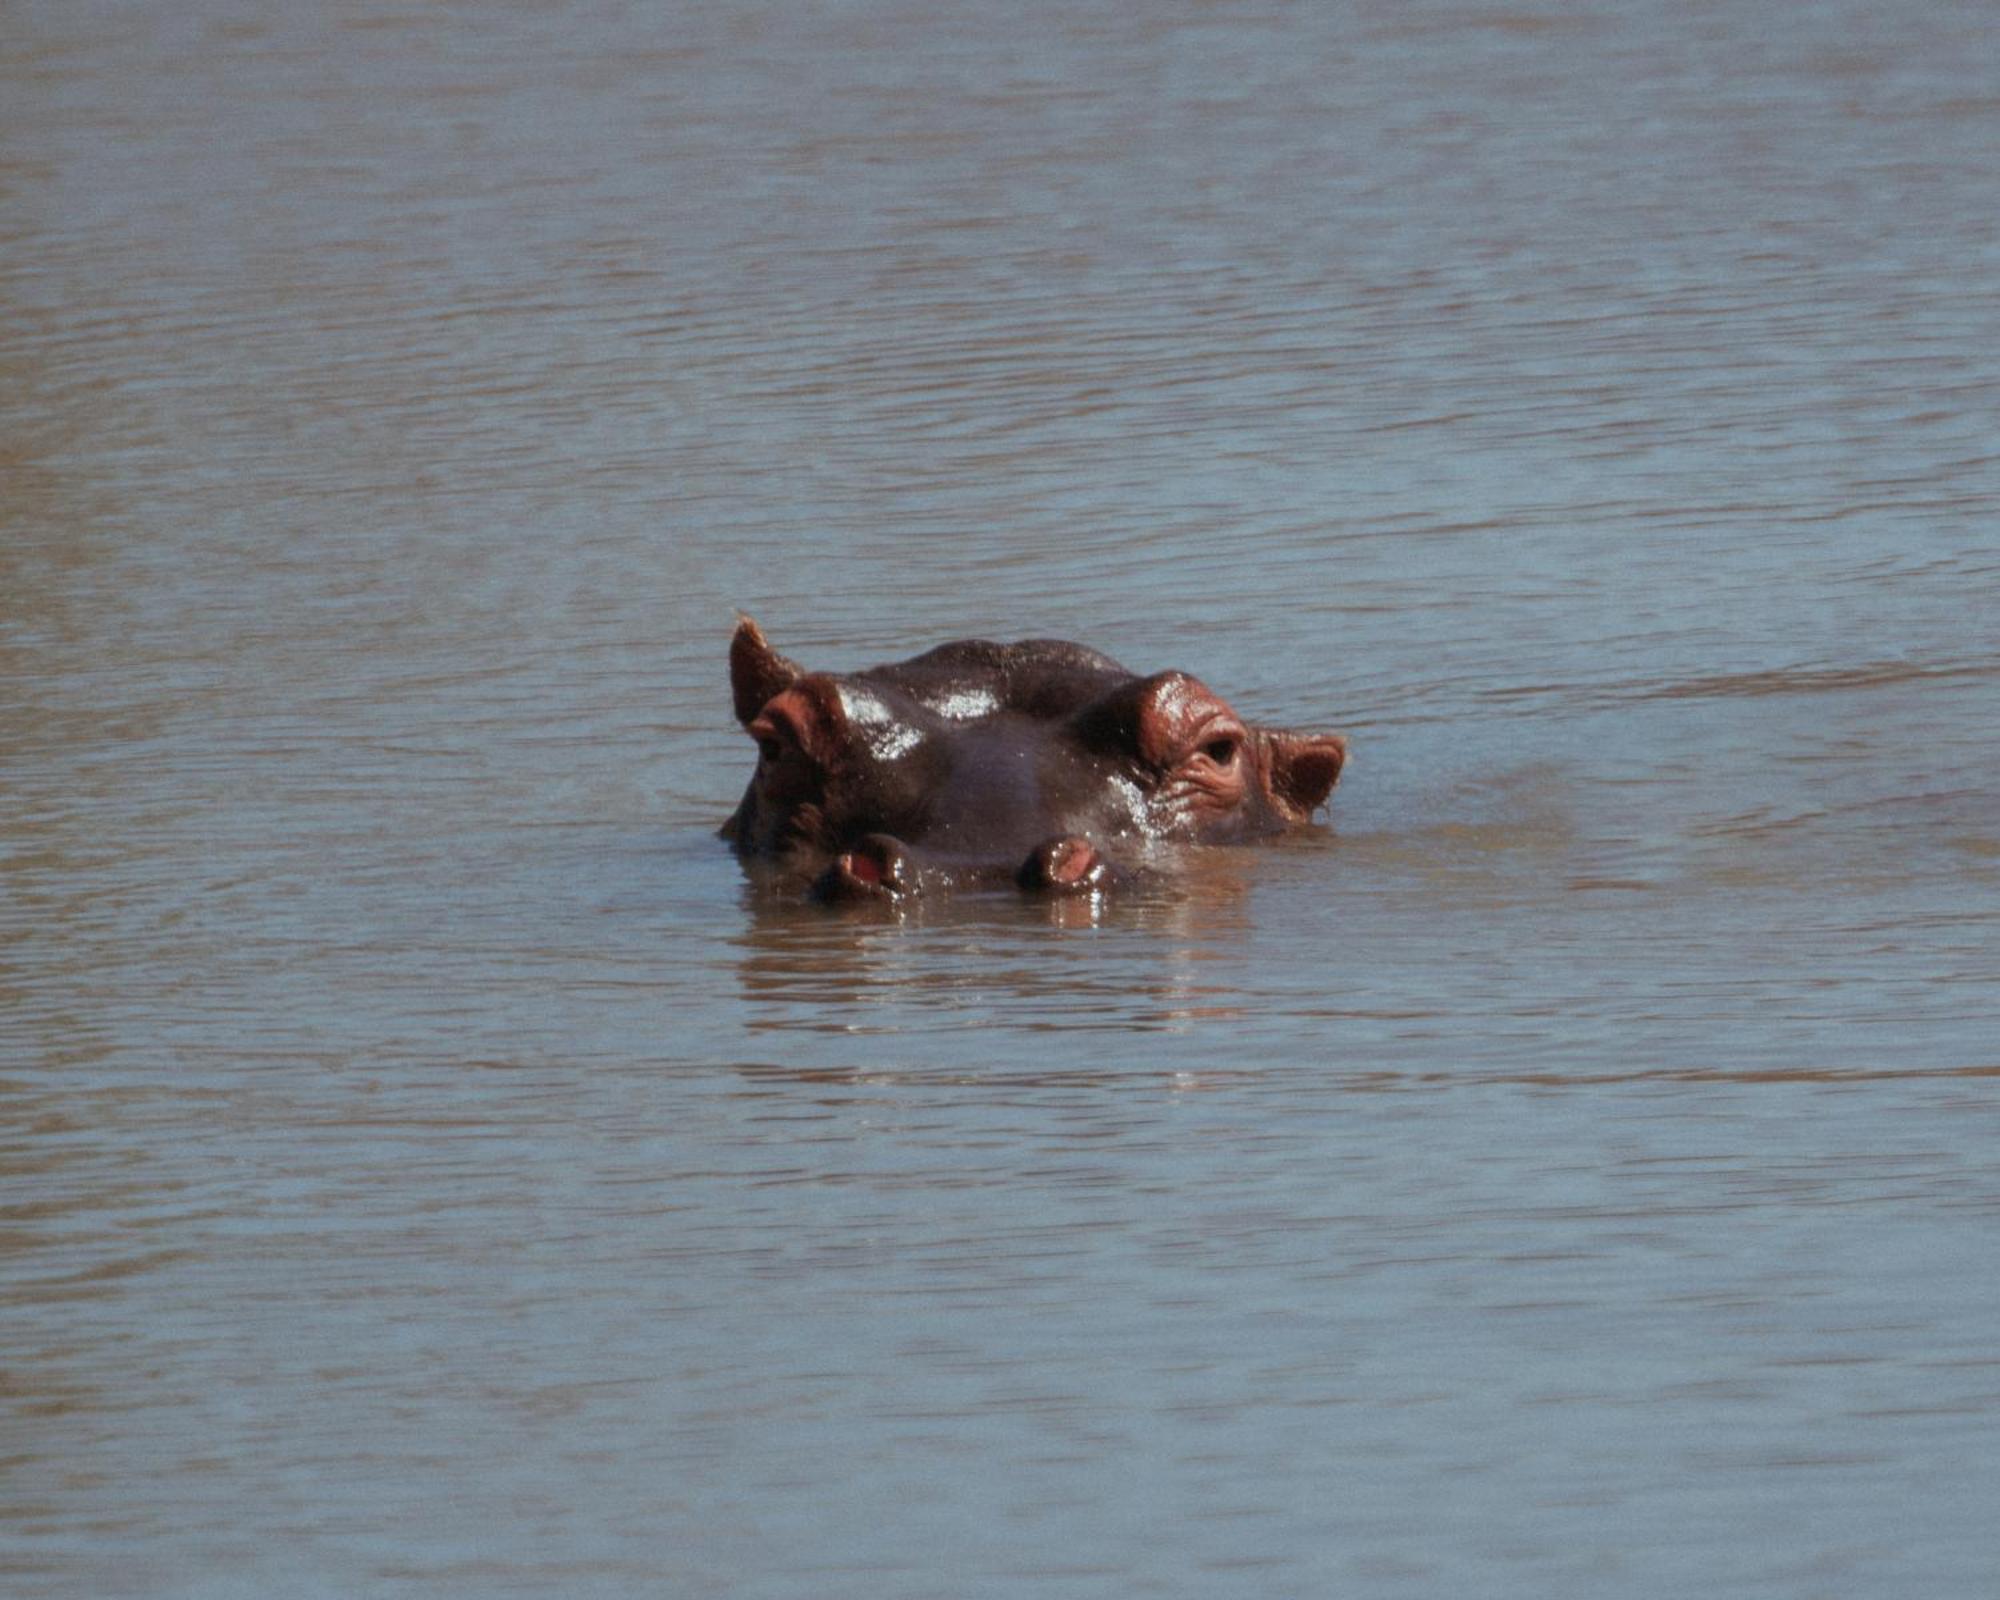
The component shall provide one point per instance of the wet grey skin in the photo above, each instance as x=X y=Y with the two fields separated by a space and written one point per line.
x=1041 y=764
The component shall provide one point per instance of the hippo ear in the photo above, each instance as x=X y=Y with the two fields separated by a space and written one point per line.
x=1302 y=769
x=756 y=671
x=808 y=716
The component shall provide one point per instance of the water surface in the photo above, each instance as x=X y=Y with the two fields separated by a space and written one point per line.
x=430 y=1169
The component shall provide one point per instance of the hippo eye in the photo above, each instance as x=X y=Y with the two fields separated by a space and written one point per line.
x=770 y=749
x=1220 y=751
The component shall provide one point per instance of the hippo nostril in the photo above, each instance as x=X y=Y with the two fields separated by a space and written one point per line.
x=1068 y=865
x=1074 y=861
x=878 y=858
x=877 y=867
x=862 y=867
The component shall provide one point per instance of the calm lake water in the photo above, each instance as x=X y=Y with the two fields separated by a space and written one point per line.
x=429 y=1171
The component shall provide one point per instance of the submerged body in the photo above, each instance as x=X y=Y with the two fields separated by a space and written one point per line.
x=1042 y=763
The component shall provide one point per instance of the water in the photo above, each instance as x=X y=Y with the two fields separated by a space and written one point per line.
x=429 y=1170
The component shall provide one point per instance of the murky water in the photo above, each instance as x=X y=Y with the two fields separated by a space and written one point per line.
x=428 y=1170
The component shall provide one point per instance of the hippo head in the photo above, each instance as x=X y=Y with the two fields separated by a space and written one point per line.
x=1041 y=763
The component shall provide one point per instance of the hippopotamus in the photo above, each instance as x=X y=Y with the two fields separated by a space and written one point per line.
x=1042 y=764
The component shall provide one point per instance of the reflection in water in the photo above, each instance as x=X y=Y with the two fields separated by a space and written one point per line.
x=1360 y=1082
x=952 y=961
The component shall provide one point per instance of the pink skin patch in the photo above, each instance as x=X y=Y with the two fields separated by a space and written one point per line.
x=861 y=867
x=1074 y=858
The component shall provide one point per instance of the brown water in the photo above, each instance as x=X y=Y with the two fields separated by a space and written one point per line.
x=429 y=1172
